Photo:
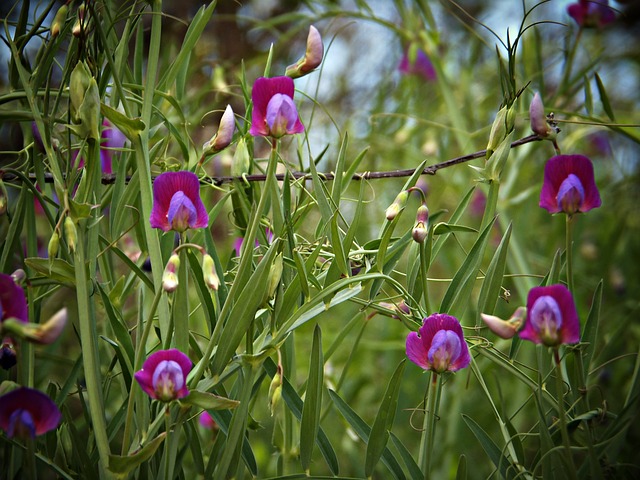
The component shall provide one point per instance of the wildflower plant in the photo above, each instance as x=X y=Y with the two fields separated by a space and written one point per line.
x=388 y=225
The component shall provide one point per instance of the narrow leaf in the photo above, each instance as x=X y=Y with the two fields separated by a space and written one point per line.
x=312 y=401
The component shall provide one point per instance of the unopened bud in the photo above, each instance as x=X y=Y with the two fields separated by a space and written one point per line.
x=505 y=328
x=4 y=200
x=80 y=26
x=275 y=392
x=312 y=57
x=47 y=332
x=241 y=159
x=275 y=273
x=541 y=125
x=397 y=206
x=54 y=244
x=71 y=234
x=170 y=275
x=19 y=276
x=498 y=131
x=58 y=21
x=209 y=272
x=420 y=230
x=223 y=137
x=78 y=84
x=7 y=355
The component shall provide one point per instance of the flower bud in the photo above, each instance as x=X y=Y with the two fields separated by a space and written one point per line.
x=241 y=162
x=312 y=57
x=170 y=277
x=505 y=328
x=85 y=102
x=54 y=244
x=275 y=392
x=498 y=131
x=58 y=21
x=275 y=273
x=81 y=25
x=420 y=230
x=209 y=272
x=47 y=332
x=223 y=137
x=3 y=198
x=7 y=354
x=541 y=125
x=397 y=206
x=71 y=234
x=19 y=276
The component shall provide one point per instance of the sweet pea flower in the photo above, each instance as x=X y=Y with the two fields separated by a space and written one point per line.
x=164 y=374
x=569 y=185
x=438 y=345
x=274 y=113
x=13 y=305
x=552 y=318
x=206 y=421
x=421 y=66
x=312 y=57
x=591 y=13
x=111 y=139
x=26 y=412
x=176 y=202
x=541 y=125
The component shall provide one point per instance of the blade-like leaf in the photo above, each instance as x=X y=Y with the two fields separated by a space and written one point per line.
x=312 y=401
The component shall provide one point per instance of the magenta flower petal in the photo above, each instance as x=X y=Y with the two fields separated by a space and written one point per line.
x=164 y=375
x=591 y=13
x=267 y=116
x=569 y=185
x=27 y=412
x=421 y=67
x=176 y=202
x=13 y=303
x=552 y=318
x=439 y=345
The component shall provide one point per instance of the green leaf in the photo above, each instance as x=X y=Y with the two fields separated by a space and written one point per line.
x=457 y=295
x=494 y=276
x=295 y=405
x=604 y=98
x=312 y=402
x=243 y=312
x=56 y=269
x=363 y=430
x=590 y=334
x=130 y=127
x=384 y=421
x=461 y=473
x=491 y=449
x=208 y=401
x=122 y=465
x=442 y=228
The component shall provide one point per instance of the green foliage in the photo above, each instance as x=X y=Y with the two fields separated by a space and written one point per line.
x=299 y=354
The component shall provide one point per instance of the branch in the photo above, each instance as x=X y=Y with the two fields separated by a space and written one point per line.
x=110 y=178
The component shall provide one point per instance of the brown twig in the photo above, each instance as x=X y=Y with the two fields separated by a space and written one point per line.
x=108 y=179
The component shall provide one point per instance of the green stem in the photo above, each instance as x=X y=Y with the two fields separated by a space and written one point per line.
x=180 y=308
x=429 y=425
x=88 y=341
x=569 y=252
x=137 y=364
x=243 y=268
x=424 y=262
x=568 y=458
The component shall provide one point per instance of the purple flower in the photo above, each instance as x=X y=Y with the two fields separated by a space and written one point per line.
x=274 y=113
x=551 y=316
x=164 y=375
x=591 y=13
x=176 y=202
x=421 y=66
x=26 y=412
x=569 y=185
x=111 y=139
x=13 y=303
x=439 y=344
x=206 y=420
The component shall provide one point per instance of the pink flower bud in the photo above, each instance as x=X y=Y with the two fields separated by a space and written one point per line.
x=312 y=57
x=397 y=206
x=223 y=137
x=170 y=277
x=505 y=328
